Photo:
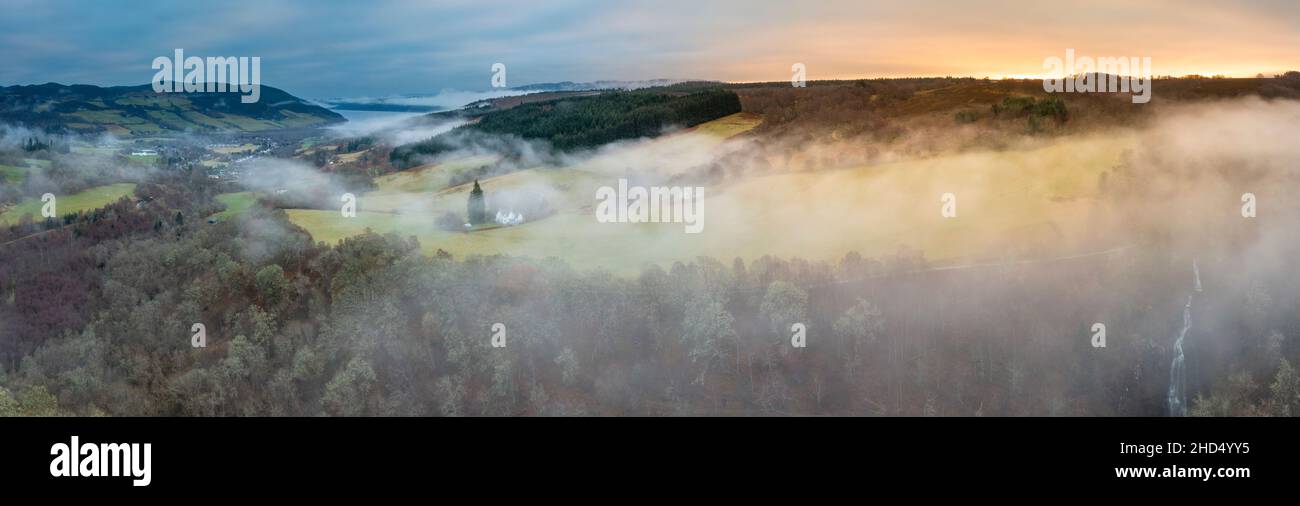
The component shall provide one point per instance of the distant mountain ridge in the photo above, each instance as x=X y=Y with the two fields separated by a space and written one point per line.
x=139 y=111
x=447 y=100
x=602 y=85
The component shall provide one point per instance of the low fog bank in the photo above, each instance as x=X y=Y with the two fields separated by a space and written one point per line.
x=1067 y=193
x=443 y=100
x=391 y=128
x=63 y=164
x=1101 y=228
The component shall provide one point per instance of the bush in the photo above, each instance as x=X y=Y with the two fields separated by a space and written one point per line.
x=1033 y=109
x=1291 y=78
x=1016 y=106
x=271 y=284
x=1052 y=107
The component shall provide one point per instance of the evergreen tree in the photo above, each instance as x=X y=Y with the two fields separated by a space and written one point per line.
x=476 y=211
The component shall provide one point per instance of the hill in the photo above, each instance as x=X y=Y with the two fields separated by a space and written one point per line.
x=138 y=110
x=583 y=122
x=883 y=109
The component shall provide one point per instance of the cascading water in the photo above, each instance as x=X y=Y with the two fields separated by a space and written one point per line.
x=1178 y=369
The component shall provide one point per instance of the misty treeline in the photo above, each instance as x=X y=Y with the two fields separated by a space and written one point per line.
x=885 y=110
x=96 y=319
x=53 y=171
x=583 y=122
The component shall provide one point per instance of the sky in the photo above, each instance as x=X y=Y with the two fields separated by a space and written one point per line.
x=332 y=49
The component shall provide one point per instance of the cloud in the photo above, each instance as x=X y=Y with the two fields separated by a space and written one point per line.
x=445 y=99
x=394 y=129
x=416 y=47
x=271 y=174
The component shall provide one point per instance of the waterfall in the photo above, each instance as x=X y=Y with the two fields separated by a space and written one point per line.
x=1178 y=369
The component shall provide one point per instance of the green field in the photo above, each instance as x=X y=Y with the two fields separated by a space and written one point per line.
x=429 y=178
x=93 y=198
x=577 y=239
x=144 y=159
x=12 y=175
x=1030 y=201
x=728 y=126
x=230 y=150
x=236 y=203
x=1008 y=202
x=177 y=116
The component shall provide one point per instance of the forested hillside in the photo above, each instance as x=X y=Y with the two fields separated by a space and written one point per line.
x=885 y=109
x=586 y=122
x=138 y=110
x=101 y=311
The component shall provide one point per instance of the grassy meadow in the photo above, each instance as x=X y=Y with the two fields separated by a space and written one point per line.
x=236 y=203
x=90 y=199
x=1039 y=196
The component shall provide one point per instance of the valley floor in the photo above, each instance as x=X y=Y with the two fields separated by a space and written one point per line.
x=1009 y=203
